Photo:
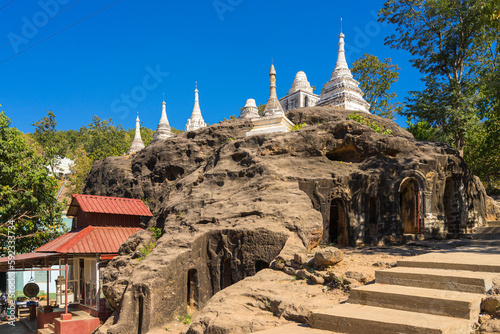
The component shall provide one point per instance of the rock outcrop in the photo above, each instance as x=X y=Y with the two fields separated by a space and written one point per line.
x=229 y=205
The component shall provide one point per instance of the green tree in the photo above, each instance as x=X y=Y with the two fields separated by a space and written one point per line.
x=103 y=139
x=83 y=165
x=29 y=212
x=375 y=78
x=445 y=39
x=423 y=131
x=46 y=136
x=261 y=109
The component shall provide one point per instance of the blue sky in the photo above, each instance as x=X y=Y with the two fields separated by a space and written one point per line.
x=121 y=60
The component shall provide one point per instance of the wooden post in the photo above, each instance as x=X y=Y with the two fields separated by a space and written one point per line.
x=66 y=286
x=48 y=279
x=97 y=284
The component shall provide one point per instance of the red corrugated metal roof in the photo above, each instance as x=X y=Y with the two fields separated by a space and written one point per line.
x=111 y=205
x=28 y=256
x=27 y=260
x=91 y=239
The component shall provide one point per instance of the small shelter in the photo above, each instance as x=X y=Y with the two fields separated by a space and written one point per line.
x=100 y=225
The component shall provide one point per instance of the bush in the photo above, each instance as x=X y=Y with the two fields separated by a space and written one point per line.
x=156 y=232
x=298 y=126
x=374 y=125
x=145 y=251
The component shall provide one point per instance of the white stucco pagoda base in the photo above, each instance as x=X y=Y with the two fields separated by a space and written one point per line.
x=270 y=124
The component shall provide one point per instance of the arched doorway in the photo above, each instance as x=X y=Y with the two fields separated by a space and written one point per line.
x=452 y=207
x=411 y=206
x=371 y=226
x=338 y=229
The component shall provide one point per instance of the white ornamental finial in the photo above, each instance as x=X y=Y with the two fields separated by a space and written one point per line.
x=341 y=62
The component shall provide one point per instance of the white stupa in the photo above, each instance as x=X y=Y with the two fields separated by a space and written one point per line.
x=163 y=131
x=300 y=95
x=250 y=110
x=342 y=90
x=137 y=143
x=196 y=121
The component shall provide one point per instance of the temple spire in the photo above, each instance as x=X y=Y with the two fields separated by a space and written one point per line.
x=196 y=108
x=137 y=143
x=343 y=90
x=273 y=106
x=274 y=119
x=196 y=121
x=341 y=61
x=163 y=131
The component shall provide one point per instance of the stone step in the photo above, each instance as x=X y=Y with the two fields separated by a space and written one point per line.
x=488 y=230
x=467 y=261
x=454 y=280
x=359 y=319
x=438 y=302
x=45 y=331
x=52 y=327
x=294 y=329
x=493 y=223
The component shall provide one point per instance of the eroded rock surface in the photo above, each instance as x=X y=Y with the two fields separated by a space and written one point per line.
x=228 y=204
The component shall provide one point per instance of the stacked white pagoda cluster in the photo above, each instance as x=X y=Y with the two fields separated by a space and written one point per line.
x=341 y=91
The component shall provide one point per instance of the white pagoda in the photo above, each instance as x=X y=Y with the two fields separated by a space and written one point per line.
x=196 y=121
x=342 y=90
x=163 y=131
x=137 y=143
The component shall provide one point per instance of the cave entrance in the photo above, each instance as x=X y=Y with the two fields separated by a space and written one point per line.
x=338 y=229
x=371 y=231
x=226 y=274
x=192 y=289
x=260 y=265
x=452 y=207
x=411 y=207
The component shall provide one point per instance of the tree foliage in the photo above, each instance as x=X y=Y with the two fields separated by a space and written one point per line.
x=375 y=78
x=46 y=136
x=455 y=45
x=445 y=39
x=29 y=211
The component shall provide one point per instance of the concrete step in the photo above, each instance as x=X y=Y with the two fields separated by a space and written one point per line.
x=51 y=327
x=294 y=329
x=467 y=261
x=488 y=229
x=493 y=223
x=45 y=331
x=438 y=302
x=359 y=319
x=454 y=280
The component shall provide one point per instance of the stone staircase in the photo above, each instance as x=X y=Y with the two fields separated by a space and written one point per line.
x=490 y=232
x=432 y=293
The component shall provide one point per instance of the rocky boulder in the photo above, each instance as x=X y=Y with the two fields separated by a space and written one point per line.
x=328 y=256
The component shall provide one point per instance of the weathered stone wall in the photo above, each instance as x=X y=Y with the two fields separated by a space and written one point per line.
x=228 y=203
x=162 y=286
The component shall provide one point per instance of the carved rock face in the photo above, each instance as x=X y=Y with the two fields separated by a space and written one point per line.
x=228 y=203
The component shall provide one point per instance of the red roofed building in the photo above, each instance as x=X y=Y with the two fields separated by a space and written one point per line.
x=106 y=211
x=100 y=225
